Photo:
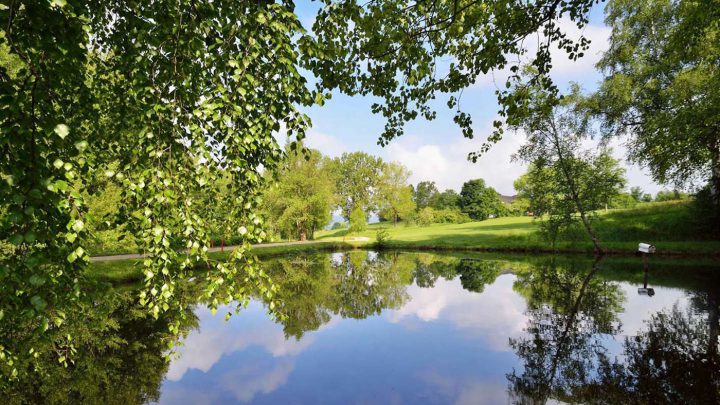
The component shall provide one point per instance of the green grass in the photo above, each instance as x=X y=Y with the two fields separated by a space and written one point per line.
x=670 y=226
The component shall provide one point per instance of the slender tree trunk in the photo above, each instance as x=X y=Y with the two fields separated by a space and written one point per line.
x=715 y=181
x=574 y=193
x=714 y=325
x=570 y=324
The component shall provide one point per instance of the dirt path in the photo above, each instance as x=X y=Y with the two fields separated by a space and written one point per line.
x=215 y=249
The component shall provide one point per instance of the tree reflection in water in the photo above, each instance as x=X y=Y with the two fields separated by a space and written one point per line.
x=572 y=314
x=572 y=305
x=118 y=356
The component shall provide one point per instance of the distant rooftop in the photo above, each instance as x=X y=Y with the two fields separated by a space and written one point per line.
x=507 y=199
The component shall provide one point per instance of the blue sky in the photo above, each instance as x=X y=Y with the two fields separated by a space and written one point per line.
x=436 y=150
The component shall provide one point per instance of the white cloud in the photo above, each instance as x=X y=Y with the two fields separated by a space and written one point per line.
x=327 y=144
x=448 y=167
x=466 y=391
x=564 y=69
x=493 y=315
x=242 y=383
x=248 y=380
x=202 y=349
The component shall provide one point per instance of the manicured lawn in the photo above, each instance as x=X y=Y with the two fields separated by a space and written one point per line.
x=499 y=232
x=670 y=226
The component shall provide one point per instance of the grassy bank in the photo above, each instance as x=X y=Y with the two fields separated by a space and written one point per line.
x=670 y=226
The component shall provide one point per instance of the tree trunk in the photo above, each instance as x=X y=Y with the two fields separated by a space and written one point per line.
x=574 y=194
x=715 y=182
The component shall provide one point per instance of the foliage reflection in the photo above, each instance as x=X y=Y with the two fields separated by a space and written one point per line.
x=119 y=354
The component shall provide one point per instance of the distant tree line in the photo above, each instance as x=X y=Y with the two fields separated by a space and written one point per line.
x=308 y=187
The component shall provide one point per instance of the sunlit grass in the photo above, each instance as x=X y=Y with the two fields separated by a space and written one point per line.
x=670 y=226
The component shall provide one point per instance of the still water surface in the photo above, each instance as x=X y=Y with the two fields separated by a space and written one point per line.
x=419 y=328
x=427 y=328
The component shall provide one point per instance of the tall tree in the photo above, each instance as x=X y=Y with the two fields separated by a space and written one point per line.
x=424 y=193
x=394 y=195
x=480 y=201
x=565 y=180
x=447 y=199
x=302 y=200
x=358 y=176
x=358 y=220
x=662 y=87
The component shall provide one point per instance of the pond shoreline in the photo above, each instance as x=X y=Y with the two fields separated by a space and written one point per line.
x=118 y=269
x=281 y=248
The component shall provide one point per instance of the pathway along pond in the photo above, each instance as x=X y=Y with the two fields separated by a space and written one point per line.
x=413 y=328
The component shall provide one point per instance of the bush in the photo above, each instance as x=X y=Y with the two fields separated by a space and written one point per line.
x=623 y=200
x=382 y=237
x=338 y=225
x=426 y=216
x=451 y=216
x=666 y=195
x=358 y=220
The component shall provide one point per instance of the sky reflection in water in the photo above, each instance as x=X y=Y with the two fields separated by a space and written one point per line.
x=419 y=328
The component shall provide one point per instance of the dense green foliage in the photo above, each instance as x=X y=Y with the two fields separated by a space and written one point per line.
x=170 y=100
x=447 y=199
x=358 y=220
x=480 y=201
x=394 y=196
x=424 y=193
x=357 y=175
x=662 y=87
x=302 y=200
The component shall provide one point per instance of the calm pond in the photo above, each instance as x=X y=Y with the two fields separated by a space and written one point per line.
x=419 y=328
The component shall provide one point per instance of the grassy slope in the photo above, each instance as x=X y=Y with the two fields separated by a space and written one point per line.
x=669 y=226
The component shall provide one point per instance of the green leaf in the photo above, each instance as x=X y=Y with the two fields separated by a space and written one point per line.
x=81 y=146
x=29 y=237
x=38 y=303
x=61 y=185
x=16 y=239
x=37 y=280
x=62 y=130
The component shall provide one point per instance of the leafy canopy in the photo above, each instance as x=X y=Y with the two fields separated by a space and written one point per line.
x=662 y=87
x=170 y=100
x=302 y=199
x=479 y=201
